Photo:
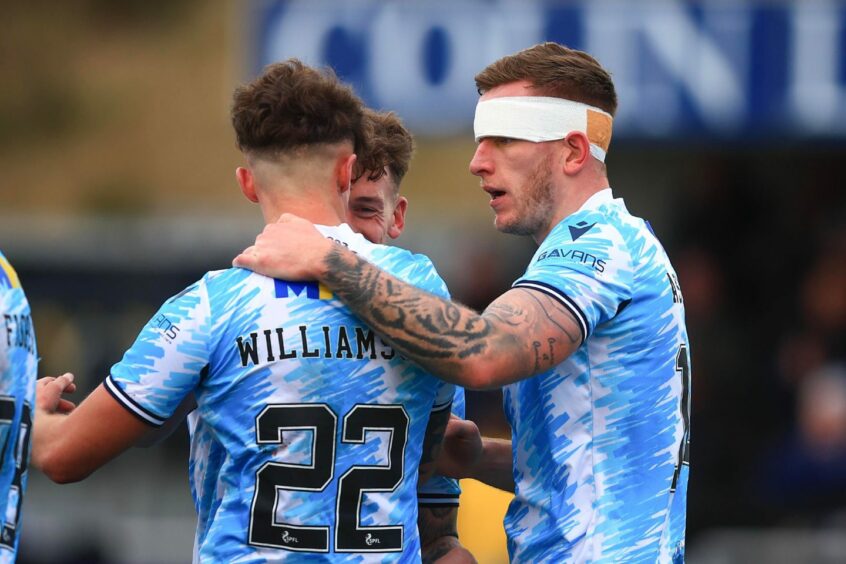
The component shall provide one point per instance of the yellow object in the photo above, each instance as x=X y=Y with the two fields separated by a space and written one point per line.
x=8 y=276
x=480 y=521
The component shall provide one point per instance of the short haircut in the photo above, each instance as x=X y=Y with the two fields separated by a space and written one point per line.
x=388 y=144
x=291 y=106
x=554 y=70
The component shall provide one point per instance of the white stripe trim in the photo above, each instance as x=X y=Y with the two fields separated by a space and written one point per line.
x=565 y=301
x=442 y=406
x=126 y=401
x=440 y=500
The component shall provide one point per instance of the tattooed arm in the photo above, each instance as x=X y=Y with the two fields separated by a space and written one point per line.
x=432 y=441
x=521 y=333
x=439 y=536
x=438 y=525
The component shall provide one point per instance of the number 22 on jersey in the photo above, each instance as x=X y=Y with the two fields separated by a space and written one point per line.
x=322 y=422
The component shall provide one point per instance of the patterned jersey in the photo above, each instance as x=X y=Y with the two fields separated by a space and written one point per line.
x=309 y=428
x=18 y=369
x=600 y=441
x=439 y=491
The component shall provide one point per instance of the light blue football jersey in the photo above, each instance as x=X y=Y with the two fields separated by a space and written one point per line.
x=308 y=431
x=600 y=441
x=18 y=370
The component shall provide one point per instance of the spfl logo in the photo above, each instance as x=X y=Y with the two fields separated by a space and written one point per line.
x=370 y=540
x=288 y=538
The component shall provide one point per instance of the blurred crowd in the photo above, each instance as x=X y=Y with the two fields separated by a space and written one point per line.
x=761 y=256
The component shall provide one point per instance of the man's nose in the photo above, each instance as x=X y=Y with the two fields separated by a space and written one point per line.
x=481 y=162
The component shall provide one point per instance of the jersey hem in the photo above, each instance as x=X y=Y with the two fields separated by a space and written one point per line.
x=437 y=500
x=561 y=298
x=130 y=404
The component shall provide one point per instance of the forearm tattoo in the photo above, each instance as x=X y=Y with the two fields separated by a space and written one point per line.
x=438 y=333
x=432 y=442
x=438 y=531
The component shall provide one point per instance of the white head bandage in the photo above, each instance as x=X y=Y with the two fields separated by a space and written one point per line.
x=542 y=118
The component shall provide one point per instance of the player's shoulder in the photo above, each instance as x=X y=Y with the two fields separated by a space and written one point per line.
x=414 y=268
x=398 y=260
x=214 y=284
x=227 y=277
x=602 y=227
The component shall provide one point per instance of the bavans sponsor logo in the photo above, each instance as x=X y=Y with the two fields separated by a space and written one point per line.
x=574 y=255
x=168 y=328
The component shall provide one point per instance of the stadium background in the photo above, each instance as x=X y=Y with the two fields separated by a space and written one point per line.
x=118 y=190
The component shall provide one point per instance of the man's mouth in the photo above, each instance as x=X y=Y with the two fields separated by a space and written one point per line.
x=494 y=193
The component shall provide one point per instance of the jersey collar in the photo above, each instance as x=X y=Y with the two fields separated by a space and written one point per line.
x=604 y=196
x=342 y=232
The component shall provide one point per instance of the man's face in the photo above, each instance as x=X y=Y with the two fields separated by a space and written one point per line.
x=517 y=174
x=374 y=209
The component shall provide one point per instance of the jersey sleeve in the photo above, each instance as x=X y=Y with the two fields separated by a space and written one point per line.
x=167 y=360
x=591 y=276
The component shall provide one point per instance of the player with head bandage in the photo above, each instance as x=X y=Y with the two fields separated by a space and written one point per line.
x=543 y=118
x=589 y=344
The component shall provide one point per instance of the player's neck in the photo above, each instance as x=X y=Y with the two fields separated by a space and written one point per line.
x=323 y=211
x=571 y=200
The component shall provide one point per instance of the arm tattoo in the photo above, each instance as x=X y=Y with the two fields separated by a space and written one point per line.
x=440 y=334
x=421 y=325
x=553 y=312
x=438 y=530
x=435 y=429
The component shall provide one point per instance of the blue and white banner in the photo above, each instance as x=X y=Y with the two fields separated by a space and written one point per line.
x=705 y=69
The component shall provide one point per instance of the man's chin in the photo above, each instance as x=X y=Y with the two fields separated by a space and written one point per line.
x=510 y=227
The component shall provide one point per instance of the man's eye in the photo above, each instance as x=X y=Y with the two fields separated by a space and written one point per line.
x=365 y=212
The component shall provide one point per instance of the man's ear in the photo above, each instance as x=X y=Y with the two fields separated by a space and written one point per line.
x=577 y=152
x=345 y=173
x=395 y=230
x=247 y=182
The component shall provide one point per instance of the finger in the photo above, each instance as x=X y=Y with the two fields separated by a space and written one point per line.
x=247 y=258
x=63 y=381
x=46 y=380
x=65 y=406
x=46 y=397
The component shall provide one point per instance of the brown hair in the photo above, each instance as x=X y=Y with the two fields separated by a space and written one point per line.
x=292 y=105
x=554 y=70
x=389 y=144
